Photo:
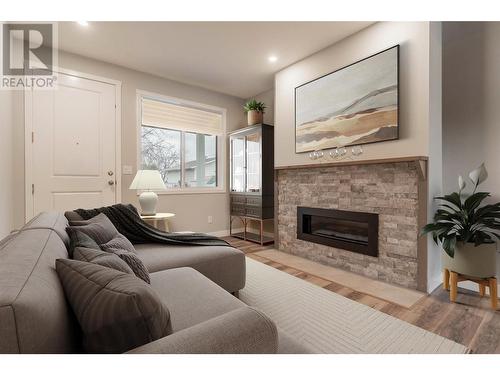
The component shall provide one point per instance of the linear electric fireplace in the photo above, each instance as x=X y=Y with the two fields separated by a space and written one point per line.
x=354 y=231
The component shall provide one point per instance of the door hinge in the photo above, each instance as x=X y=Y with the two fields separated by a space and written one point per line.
x=32 y=137
x=32 y=189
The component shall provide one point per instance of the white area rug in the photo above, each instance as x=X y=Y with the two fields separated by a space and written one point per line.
x=330 y=323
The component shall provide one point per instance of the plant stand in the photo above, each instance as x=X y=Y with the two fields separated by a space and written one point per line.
x=451 y=280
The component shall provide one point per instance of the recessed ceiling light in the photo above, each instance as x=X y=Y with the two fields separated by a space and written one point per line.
x=82 y=23
x=272 y=58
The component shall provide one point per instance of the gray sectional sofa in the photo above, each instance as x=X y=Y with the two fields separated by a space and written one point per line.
x=193 y=282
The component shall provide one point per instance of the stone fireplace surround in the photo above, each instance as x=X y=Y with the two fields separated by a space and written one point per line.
x=393 y=188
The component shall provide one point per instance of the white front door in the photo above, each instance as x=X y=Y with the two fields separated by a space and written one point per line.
x=73 y=150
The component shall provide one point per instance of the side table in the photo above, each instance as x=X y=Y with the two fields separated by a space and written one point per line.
x=157 y=219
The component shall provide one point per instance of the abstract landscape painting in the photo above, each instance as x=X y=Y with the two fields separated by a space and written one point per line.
x=355 y=105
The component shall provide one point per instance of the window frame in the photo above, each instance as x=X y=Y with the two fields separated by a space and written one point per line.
x=220 y=145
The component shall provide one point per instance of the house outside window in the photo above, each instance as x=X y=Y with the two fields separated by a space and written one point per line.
x=184 y=142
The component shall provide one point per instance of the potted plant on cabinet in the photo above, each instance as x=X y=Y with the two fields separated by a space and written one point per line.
x=467 y=229
x=255 y=112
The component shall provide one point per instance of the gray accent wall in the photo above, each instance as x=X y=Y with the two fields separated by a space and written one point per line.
x=471 y=110
x=471 y=97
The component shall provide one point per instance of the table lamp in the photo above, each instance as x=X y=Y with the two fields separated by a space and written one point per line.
x=148 y=180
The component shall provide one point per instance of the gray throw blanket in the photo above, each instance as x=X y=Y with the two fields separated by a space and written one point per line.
x=127 y=221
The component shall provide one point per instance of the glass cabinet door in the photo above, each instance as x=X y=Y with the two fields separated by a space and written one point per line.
x=253 y=142
x=238 y=164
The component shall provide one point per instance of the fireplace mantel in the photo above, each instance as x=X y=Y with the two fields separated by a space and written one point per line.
x=420 y=161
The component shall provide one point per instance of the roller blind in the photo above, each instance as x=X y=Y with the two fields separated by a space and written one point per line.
x=167 y=115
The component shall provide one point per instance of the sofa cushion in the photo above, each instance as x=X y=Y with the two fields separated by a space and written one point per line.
x=80 y=239
x=191 y=297
x=116 y=311
x=34 y=315
x=53 y=221
x=99 y=228
x=223 y=265
x=133 y=262
x=4 y=241
x=102 y=258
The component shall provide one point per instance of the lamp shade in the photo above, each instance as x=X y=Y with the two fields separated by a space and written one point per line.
x=148 y=180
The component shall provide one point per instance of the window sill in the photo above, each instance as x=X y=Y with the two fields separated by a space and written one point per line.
x=191 y=191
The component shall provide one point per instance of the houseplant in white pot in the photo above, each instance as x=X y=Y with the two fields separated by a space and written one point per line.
x=467 y=229
x=255 y=111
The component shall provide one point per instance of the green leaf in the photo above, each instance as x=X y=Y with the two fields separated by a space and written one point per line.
x=480 y=238
x=254 y=105
x=431 y=227
x=489 y=210
x=449 y=244
x=449 y=208
x=453 y=198
x=475 y=200
x=446 y=216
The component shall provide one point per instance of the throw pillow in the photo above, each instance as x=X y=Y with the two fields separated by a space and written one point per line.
x=99 y=228
x=116 y=312
x=72 y=216
x=118 y=242
x=102 y=258
x=132 y=261
x=79 y=239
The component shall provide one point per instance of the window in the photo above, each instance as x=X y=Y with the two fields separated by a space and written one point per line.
x=200 y=167
x=181 y=140
x=161 y=150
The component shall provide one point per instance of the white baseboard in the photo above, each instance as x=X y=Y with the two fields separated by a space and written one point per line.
x=433 y=284
x=225 y=233
x=254 y=231
x=220 y=233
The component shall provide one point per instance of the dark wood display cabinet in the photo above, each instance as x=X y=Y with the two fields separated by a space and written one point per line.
x=252 y=180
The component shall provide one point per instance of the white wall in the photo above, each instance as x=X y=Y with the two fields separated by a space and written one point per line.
x=192 y=210
x=471 y=103
x=268 y=98
x=435 y=142
x=6 y=162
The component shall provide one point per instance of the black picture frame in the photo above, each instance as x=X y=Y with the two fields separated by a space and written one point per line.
x=397 y=46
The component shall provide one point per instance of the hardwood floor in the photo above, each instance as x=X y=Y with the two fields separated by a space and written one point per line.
x=470 y=321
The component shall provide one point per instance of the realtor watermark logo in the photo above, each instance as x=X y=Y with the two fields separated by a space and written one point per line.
x=29 y=53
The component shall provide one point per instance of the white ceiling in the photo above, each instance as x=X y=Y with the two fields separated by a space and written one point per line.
x=228 y=57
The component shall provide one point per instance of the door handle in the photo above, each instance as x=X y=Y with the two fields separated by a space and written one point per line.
x=111 y=182
x=110 y=173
